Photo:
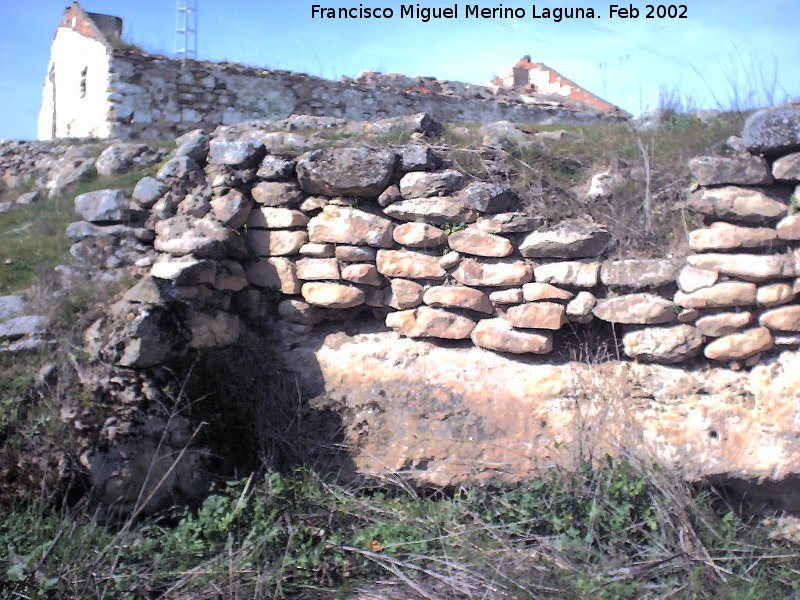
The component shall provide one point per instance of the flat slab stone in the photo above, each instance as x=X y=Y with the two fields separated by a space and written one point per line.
x=666 y=345
x=500 y=336
x=409 y=264
x=365 y=274
x=638 y=309
x=737 y=170
x=344 y=225
x=311 y=269
x=775 y=294
x=423 y=184
x=355 y=253
x=532 y=292
x=573 y=273
x=537 y=315
x=458 y=297
x=419 y=235
x=638 y=273
x=24 y=325
x=488 y=198
x=268 y=217
x=479 y=243
x=510 y=296
x=691 y=279
x=720 y=295
x=275 y=242
x=332 y=295
x=723 y=323
x=739 y=346
x=476 y=272
x=748 y=205
x=725 y=236
x=430 y=322
x=566 y=240
x=442 y=210
x=508 y=222
x=786 y=318
x=751 y=267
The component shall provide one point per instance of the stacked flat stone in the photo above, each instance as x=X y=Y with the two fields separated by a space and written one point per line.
x=742 y=280
x=434 y=253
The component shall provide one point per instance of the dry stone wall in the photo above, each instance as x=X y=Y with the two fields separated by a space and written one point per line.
x=434 y=253
x=157 y=97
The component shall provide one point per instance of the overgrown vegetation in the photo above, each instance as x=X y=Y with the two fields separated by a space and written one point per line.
x=615 y=531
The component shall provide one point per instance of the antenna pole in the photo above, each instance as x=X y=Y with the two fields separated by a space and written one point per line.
x=186 y=28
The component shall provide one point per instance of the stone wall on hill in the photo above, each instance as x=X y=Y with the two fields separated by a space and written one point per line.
x=420 y=307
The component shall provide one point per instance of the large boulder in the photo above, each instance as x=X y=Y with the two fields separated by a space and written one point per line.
x=773 y=130
x=357 y=171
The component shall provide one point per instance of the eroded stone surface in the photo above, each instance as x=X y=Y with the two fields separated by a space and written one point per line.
x=409 y=264
x=725 y=236
x=789 y=228
x=640 y=309
x=475 y=272
x=723 y=323
x=358 y=171
x=749 y=205
x=458 y=297
x=479 y=243
x=574 y=273
x=430 y=322
x=435 y=211
x=566 y=240
x=332 y=295
x=639 y=273
x=537 y=315
x=751 y=267
x=423 y=184
x=342 y=225
x=419 y=235
x=721 y=295
x=786 y=318
x=739 y=346
x=666 y=345
x=404 y=294
x=544 y=291
x=740 y=170
x=499 y=335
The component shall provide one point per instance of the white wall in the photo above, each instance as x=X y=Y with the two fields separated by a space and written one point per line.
x=75 y=116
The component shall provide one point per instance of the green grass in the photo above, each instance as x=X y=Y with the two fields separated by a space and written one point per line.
x=33 y=238
x=612 y=531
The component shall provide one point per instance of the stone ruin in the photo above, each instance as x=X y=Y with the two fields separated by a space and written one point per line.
x=369 y=254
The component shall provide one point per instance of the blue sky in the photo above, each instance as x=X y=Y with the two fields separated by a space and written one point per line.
x=723 y=45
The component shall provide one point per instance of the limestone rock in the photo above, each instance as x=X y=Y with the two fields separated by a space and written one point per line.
x=498 y=273
x=789 y=228
x=357 y=171
x=276 y=218
x=488 y=198
x=508 y=222
x=310 y=269
x=180 y=167
x=568 y=239
x=185 y=270
x=234 y=153
x=193 y=144
x=692 y=279
x=666 y=345
x=604 y=184
x=424 y=185
x=276 y=168
x=724 y=236
x=787 y=168
x=332 y=295
x=274 y=274
x=419 y=235
x=751 y=267
x=233 y=209
x=544 y=291
x=355 y=253
x=409 y=264
x=343 y=225
x=275 y=242
x=579 y=309
x=637 y=309
x=479 y=243
x=430 y=322
x=737 y=170
x=103 y=206
x=22 y=326
x=773 y=130
x=123 y=157
x=723 y=323
x=786 y=318
x=147 y=191
x=573 y=273
x=205 y=238
x=775 y=294
x=435 y=211
x=537 y=315
x=317 y=250
x=365 y=274
x=285 y=194
x=721 y=295
x=404 y=294
x=458 y=297
x=510 y=296
x=749 y=205
x=418 y=157
x=636 y=273
x=499 y=335
x=739 y=346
